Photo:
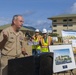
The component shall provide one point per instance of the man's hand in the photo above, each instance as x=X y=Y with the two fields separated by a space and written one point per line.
x=5 y=36
x=24 y=53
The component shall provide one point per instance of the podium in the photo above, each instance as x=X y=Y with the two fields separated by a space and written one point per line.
x=46 y=64
x=31 y=65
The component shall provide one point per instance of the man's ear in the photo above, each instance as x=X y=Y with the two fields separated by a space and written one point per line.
x=14 y=21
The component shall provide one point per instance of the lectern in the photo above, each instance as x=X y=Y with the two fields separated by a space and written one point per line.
x=31 y=65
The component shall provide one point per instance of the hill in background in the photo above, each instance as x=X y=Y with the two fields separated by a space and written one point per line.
x=29 y=27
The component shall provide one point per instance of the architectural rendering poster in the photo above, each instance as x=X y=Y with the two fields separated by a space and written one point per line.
x=63 y=58
x=69 y=37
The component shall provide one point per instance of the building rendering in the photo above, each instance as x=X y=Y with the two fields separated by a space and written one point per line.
x=63 y=22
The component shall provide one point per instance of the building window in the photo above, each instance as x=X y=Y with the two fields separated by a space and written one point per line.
x=54 y=25
x=65 y=20
x=70 y=20
x=54 y=20
x=65 y=25
x=70 y=25
x=54 y=30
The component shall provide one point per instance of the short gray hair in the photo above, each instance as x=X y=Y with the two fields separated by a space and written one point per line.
x=15 y=17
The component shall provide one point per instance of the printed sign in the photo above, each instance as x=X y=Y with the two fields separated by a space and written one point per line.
x=69 y=37
x=33 y=43
x=63 y=58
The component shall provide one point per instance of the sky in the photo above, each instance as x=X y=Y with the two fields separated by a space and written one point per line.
x=61 y=52
x=35 y=12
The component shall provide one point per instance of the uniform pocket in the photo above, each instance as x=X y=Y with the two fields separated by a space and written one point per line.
x=11 y=39
x=10 y=42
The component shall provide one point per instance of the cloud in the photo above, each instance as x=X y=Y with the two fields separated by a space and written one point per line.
x=40 y=24
x=4 y=21
x=8 y=20
x=30 y=21
x=33 y=19
x=28 y=13
x=73 y=8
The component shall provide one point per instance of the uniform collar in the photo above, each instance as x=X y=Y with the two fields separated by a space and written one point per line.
x=12 y=31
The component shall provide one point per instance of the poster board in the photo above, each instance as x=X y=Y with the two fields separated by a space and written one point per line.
x=55 y=39
x=32 y=42
x=69 y=37
x=63 y=58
